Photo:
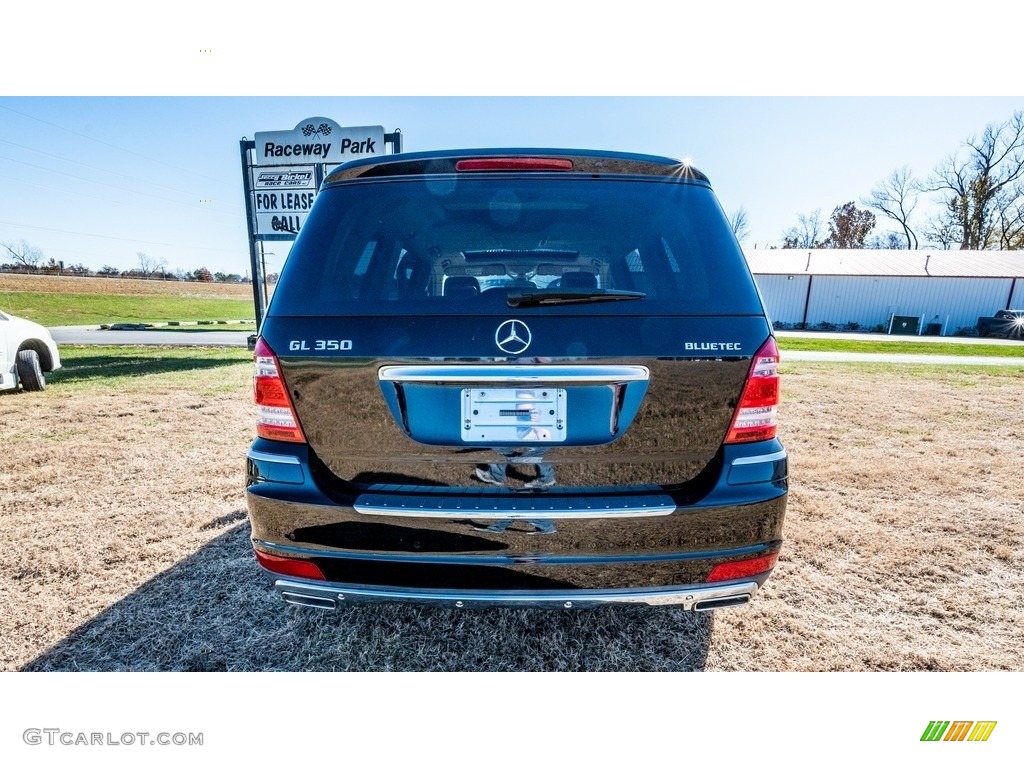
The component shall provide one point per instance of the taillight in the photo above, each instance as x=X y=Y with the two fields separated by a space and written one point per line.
x=289 y=566
x=275 y=415
x=740 y=569
x=756 y=417
x=514 y=164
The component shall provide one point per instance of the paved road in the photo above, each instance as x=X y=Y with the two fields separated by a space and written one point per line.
x=91 y=334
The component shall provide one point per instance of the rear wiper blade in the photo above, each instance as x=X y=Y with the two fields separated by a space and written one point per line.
x=529 y=299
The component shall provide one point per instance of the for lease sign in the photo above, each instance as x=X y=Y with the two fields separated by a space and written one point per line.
x=281 y=211
x=281 y=198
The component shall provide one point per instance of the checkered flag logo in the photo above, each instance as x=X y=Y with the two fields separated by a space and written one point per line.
x=309 y=130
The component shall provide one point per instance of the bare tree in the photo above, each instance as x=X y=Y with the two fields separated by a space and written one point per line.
x=740 y=224
x=149 y=265
x=891 y=241
x=896 y=196
x=980 y=182
x=940 y=230
x=1010 y=224
x=807 y=234
x=24 y=254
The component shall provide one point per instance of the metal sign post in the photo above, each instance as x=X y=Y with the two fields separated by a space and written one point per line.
x=282 y=172
x=254 y=267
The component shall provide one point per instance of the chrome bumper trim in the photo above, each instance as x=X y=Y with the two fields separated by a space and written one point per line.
x=506 y=374
x=533 y=506
x=277 y=458
x=694 y=597
x=763 y=459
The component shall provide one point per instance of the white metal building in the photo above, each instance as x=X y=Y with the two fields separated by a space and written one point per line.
x=953 y=288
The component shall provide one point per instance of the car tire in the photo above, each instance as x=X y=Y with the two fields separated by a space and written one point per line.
x=30 y=372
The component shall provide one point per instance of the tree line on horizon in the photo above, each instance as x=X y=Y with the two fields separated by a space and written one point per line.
x=25 y=258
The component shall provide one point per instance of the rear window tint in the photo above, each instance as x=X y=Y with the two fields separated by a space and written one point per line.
x=443 y=245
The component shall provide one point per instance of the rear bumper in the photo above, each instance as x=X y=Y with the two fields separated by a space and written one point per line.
x=507 y=556
x=702 y=597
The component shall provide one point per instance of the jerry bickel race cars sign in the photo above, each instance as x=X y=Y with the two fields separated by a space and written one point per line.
x=318 y=140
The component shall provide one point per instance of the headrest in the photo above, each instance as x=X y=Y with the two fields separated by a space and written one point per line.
x=579 y=281
x=461 y=287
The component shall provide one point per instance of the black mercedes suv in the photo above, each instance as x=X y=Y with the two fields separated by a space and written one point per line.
x=517 y=377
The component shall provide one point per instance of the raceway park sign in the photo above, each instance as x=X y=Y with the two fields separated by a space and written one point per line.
x=318 y=140
x=285 y=169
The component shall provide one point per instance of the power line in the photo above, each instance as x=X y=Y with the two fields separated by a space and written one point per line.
x=147 y=182
x=115 y=146
x=123 y=189
x=23 y=183
x=122 y=239
x=77 y=194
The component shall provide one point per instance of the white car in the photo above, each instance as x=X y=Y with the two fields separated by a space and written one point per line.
x=27 y=351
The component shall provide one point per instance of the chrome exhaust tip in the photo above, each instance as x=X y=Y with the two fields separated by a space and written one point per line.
x=309 y=601
x=720 y=602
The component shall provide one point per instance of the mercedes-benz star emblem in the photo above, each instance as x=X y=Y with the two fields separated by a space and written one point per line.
x=512 y=337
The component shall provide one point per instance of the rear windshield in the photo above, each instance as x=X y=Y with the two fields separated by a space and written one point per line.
x=446 y=244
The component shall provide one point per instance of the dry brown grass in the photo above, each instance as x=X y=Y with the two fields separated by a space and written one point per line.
x=126 y=546
x=121 y=286
x=904 y=534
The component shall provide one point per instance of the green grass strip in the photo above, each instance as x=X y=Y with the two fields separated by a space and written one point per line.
x=52 y=309
x=85 y=365
x=901 y=347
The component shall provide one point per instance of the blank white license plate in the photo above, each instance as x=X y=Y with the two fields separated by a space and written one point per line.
x=513 y=416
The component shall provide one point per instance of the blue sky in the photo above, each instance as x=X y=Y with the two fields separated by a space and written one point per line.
x=98 y=179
